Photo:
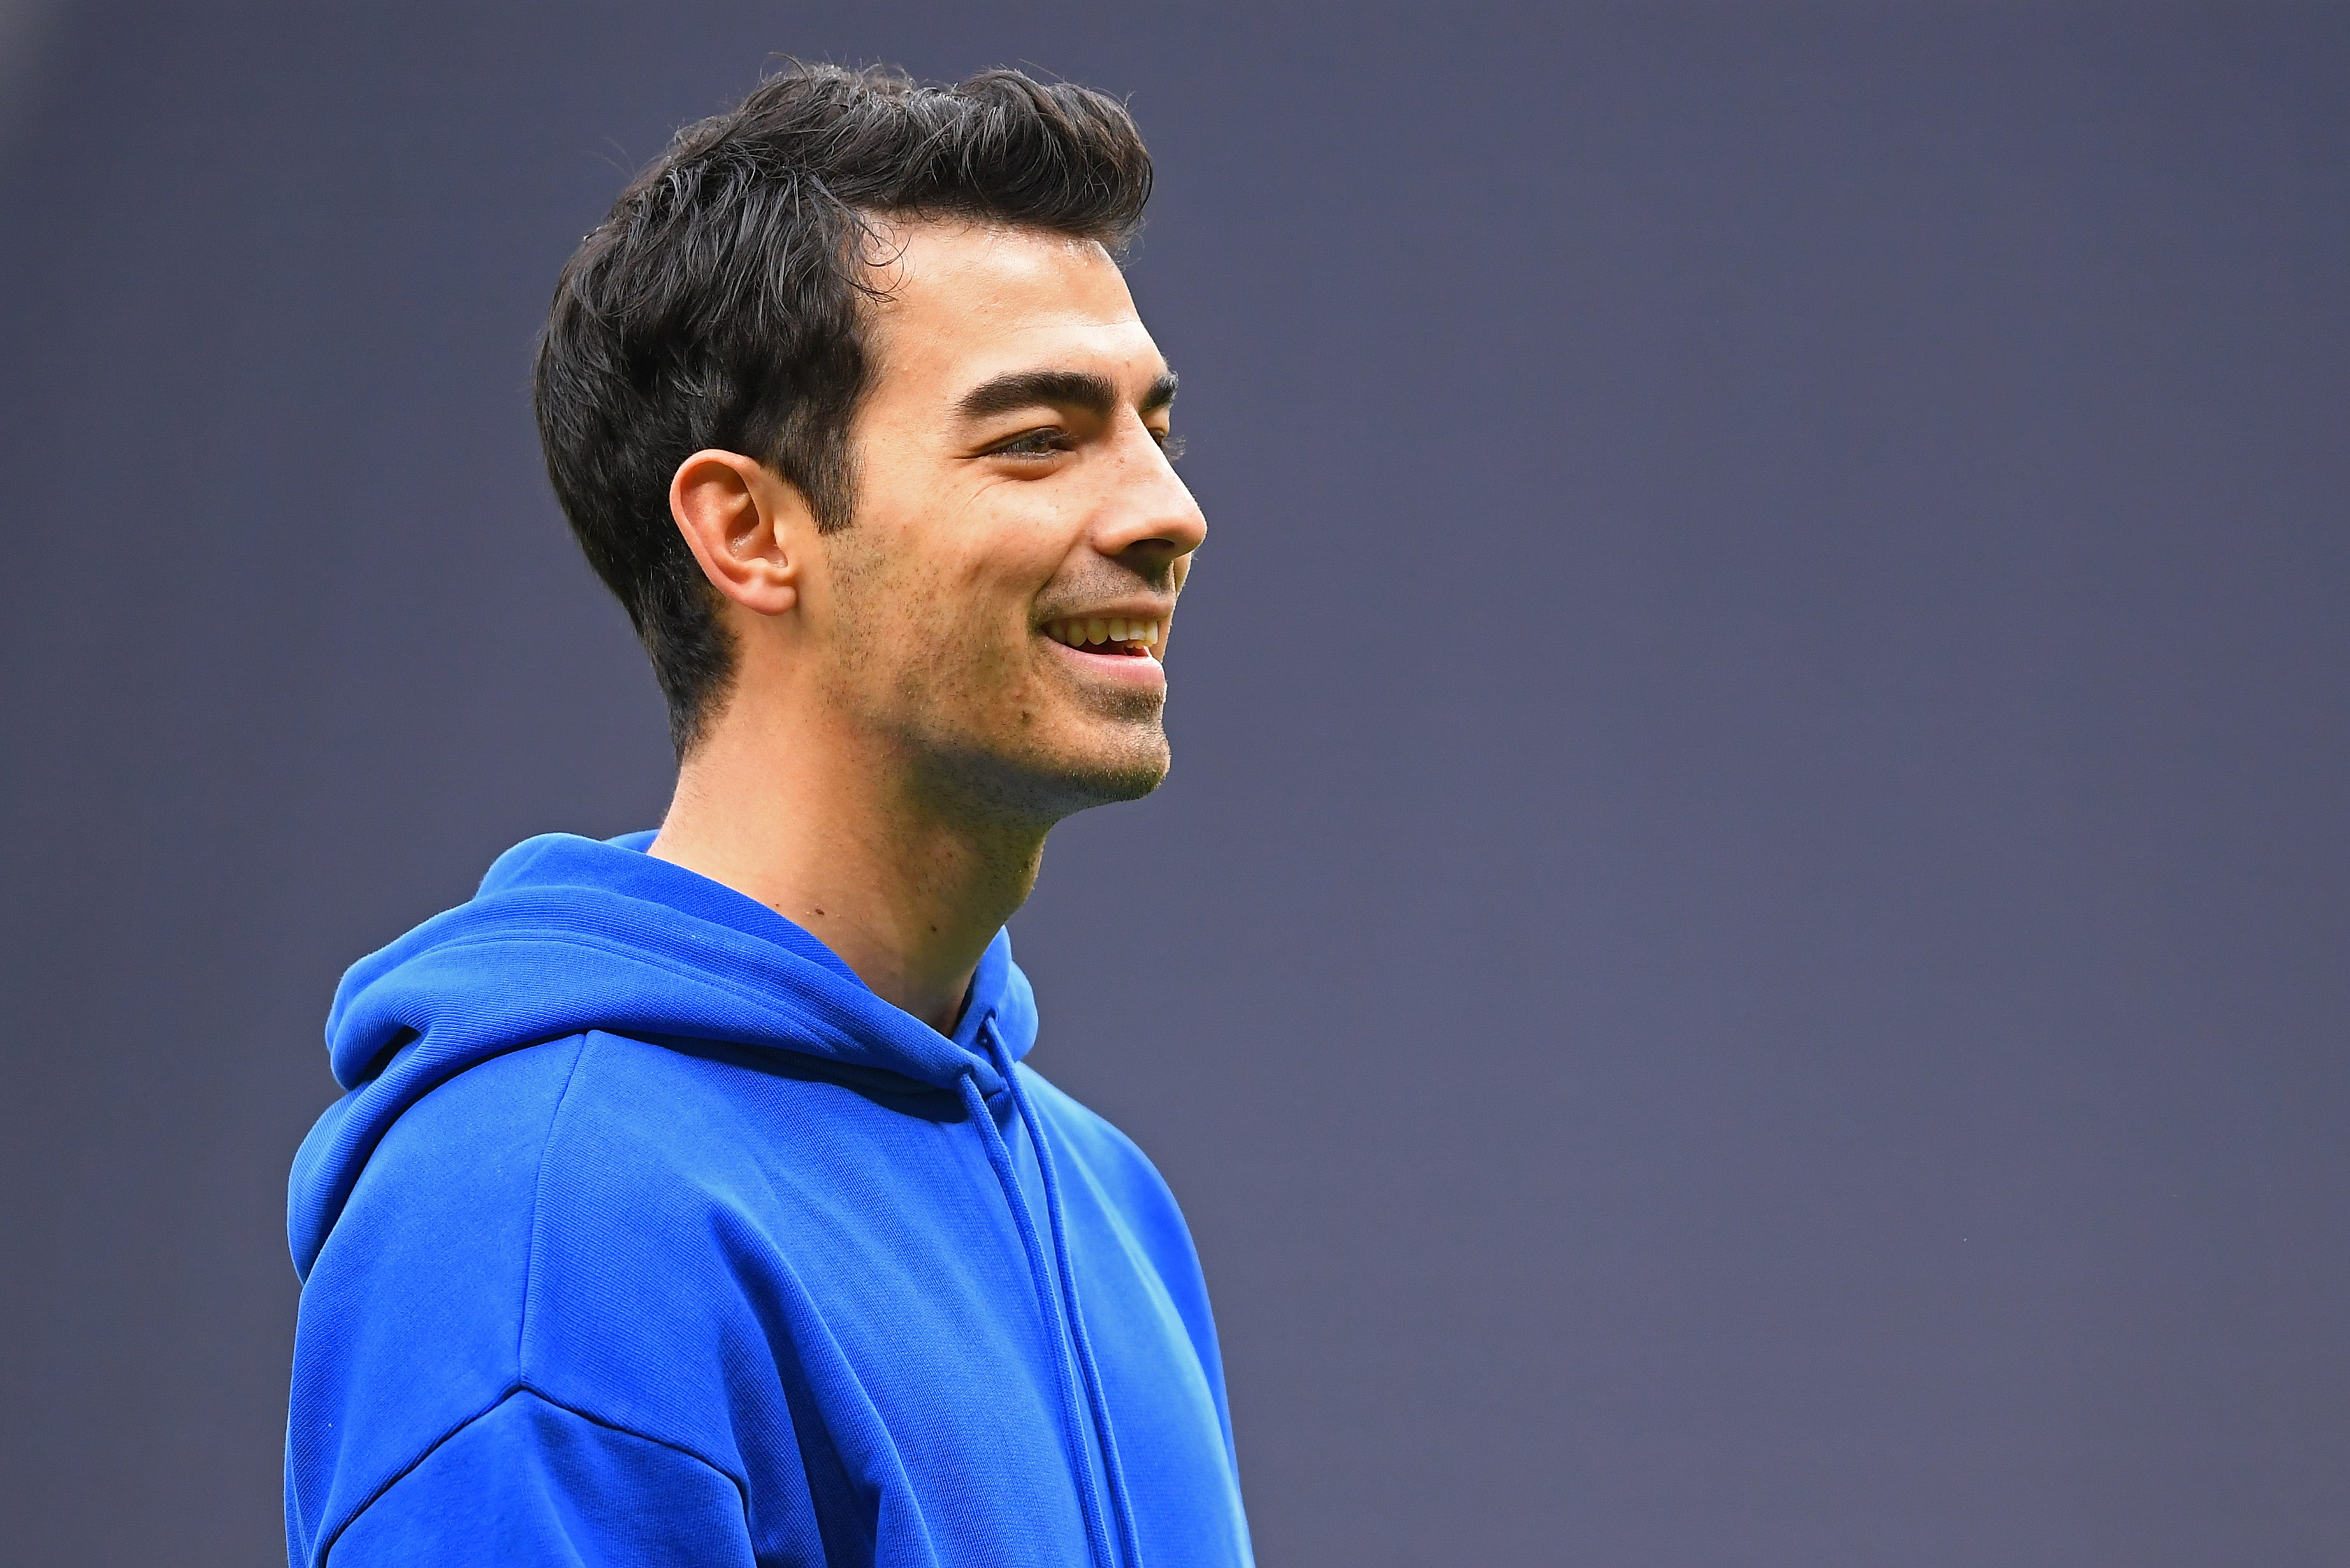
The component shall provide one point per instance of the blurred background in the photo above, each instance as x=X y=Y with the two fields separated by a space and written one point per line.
x=1745 y=960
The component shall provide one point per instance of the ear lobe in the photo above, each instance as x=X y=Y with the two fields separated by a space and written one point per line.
x=746 y=526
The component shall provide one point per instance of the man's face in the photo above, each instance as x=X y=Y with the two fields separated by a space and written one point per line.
x=1013 y=504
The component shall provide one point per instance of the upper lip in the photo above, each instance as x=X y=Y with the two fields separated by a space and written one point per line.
x=1124 y=609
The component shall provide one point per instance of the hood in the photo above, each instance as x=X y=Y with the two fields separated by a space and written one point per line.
x=569 y=934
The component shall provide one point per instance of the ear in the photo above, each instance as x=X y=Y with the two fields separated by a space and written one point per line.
x=749 y=527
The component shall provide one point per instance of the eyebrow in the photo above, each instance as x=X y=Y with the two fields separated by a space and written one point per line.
x=1081 y=390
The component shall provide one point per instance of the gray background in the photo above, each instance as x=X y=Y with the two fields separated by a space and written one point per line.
x=1743 y=963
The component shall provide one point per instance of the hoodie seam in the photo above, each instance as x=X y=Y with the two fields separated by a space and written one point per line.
x=524 y=1386
x=536 y=1251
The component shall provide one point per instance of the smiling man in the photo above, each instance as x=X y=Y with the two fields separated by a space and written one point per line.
x=689 y=1202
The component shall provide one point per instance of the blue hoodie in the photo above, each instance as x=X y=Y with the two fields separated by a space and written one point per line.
x=646 y=1233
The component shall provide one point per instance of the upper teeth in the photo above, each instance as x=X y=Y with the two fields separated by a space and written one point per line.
x=1081 y=631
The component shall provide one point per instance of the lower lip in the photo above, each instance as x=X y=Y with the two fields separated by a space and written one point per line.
x=1126 y=669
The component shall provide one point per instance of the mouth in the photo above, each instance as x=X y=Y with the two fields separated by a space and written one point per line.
x=1108 y=637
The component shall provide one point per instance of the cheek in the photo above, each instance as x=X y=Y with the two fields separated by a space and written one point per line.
x=947 y=600
x=958 y=632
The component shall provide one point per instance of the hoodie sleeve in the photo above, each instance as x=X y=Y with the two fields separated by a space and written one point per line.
x=530 y=1483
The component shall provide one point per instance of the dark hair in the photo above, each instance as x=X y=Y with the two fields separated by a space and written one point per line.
x=722 y=302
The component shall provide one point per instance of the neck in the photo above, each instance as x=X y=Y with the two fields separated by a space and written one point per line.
x=841 y=834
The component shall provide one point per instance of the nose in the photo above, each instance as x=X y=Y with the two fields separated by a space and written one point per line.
x=1148 y=518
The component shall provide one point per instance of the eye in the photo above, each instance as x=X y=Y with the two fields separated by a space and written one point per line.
x=1050 y=441
x=1169 y=442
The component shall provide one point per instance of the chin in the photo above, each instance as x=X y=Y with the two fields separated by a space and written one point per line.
x=1127 y=764
x=1063 y=781
x=1104 y=785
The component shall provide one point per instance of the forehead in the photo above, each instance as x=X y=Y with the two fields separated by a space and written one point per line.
x=965 y=302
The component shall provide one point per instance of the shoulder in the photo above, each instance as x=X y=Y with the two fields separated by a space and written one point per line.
x=409 y=1314
x=518 y=1222
x=599 y=1147
x=439 y=1220
x=457 y=1185
x=595 y=1118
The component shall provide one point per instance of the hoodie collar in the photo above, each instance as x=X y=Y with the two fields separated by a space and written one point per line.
x=568 y=935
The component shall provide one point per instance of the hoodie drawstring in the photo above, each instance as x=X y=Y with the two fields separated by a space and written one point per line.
x=1120 y=1500
x=1057 y=1291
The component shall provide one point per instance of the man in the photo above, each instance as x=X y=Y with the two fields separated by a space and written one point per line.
x=690 y=1204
